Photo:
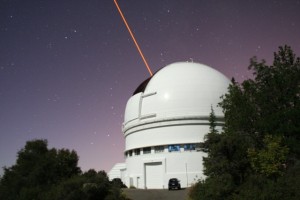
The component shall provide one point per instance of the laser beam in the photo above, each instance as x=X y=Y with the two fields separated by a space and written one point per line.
x=133 y=38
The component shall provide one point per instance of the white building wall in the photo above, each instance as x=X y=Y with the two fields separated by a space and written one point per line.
x=184 y=165
x=116 y=171
x=166 y=135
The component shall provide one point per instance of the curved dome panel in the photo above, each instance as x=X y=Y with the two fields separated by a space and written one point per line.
x=184 y=89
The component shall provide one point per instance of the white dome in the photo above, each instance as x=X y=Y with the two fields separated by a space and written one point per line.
x=165 y=121
x=180 y=89
x=186 y=89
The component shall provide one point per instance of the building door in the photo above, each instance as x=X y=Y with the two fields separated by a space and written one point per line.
x=131 y=182
x=154 y=175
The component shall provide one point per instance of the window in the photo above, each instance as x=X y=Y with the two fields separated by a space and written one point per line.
x=137 y=152
x=175 y=147
x=130 y=153
x=147 y=150
x=159 y=149
x=189 y=147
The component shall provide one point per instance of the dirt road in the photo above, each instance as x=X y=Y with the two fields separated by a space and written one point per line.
x=152 y=194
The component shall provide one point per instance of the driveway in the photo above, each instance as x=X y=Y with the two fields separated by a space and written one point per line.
x=156 y=194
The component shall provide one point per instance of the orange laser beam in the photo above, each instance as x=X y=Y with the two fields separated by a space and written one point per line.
x=133 y=38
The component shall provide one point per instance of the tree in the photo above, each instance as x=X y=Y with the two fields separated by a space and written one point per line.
x=271 y=159
x=50 y=174
x=91 y=185
x=278 y=98
x=260 y=147
x=212 y=122
x=212 y=137
x=37 y=168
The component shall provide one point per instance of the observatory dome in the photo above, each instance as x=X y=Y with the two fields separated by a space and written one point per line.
x=181 y=89
x=165 y=121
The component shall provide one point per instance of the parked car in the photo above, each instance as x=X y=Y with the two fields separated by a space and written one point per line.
x=174 y=183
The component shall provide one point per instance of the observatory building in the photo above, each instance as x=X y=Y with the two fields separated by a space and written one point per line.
x=164 y=122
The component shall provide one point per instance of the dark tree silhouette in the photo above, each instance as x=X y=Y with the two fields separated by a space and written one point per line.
x=257 y=156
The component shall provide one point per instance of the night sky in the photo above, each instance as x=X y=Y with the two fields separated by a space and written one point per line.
x=68 y=67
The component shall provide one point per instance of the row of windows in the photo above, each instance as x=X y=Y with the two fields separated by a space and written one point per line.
x=160 y=149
